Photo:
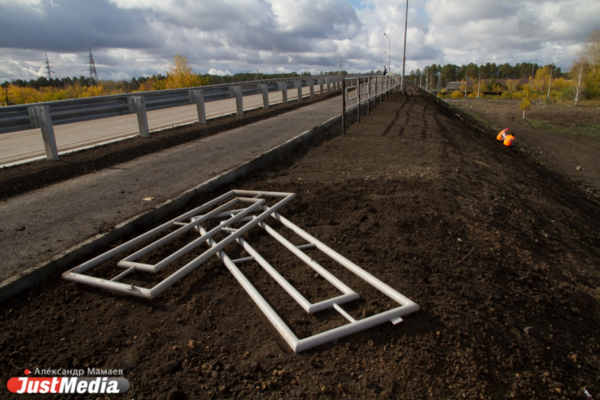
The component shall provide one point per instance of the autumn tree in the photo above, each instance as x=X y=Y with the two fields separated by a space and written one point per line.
x=180 y=75
x=579 y=74
x=591 y=54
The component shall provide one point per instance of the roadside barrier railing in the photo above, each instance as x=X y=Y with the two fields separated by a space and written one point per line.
x=357 y=91
x=46 y=115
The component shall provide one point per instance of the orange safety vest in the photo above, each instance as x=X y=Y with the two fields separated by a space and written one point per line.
x=501 y=135
x=508 y=140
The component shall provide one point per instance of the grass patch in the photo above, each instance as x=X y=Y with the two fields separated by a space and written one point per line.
x=592 y=130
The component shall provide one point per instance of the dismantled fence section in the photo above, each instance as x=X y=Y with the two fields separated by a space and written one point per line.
x=28 y=116
x=357 y=91
x=223 y=221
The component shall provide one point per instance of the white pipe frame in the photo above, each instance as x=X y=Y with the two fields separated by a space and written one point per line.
x=407 y=306
x=76 y=274
x=237 y=216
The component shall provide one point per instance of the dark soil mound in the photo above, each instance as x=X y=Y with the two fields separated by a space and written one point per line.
x=501 y=254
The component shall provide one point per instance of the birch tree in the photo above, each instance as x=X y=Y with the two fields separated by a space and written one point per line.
x=579 y=73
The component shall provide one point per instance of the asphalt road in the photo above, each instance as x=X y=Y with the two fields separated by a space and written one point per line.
x=28 y=145
x=36 y=226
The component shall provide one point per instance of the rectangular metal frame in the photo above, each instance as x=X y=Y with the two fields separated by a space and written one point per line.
x=251 y=216
x=235 y=196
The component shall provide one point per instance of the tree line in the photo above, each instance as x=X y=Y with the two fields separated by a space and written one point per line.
x=439 y=76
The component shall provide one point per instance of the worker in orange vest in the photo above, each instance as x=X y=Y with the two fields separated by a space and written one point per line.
x=502 y=135
x=509 y=140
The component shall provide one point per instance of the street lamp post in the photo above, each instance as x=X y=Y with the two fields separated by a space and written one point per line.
x=404 y=55
x=389 y=52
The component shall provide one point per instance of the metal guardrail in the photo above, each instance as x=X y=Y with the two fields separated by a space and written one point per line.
x=46 y=115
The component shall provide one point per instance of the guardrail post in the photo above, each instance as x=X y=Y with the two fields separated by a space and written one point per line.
x=328 y=85
x=343 y=106
x=311 y=85
x=197 y=96
x=40 y=118
x=298 y=85
x=137 y=105
x=283 y=87
x=320 y=83
x=236 y=91
x=264 y=89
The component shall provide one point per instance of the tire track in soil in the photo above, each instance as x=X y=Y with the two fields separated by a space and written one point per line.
x=389 y=127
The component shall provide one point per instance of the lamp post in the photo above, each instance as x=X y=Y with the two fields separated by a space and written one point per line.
x=389 y=52
x=404 y=55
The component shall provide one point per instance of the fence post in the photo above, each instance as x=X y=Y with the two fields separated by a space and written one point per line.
x=137 y=105
x=369 y=96
x=343 y=106
x=264 y=89
x=298 y=85
x=40 y=118
x=311 y=85
x=283 y=87
x=385 y=80
x=197 y=96
x=320 y=83
x=328 y=85
x=358 y=94
x=236 y=91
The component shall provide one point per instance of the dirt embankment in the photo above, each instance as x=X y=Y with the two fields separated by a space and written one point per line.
x=564 y=138
x=501 y=254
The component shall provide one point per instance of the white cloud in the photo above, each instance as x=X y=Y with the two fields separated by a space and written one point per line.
x=213 y=71
x=141 y=37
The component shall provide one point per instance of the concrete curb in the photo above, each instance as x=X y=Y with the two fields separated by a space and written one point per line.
x=35 y=275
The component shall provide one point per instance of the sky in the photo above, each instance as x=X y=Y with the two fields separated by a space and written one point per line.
x=133 y=38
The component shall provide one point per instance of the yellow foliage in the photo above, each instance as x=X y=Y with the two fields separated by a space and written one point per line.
x=559 y=83
x=472 y=95
x=525 y=104
x=457 y=95
x=28 y=95
x=513 y=85
x=180 y=75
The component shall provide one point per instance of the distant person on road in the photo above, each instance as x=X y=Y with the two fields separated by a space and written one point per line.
x=509 y=140
x=384 y=71
x=502 y=135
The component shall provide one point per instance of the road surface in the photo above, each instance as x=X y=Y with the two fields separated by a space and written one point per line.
x=16 y=147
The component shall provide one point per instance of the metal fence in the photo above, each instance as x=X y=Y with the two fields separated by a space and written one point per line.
x=46 y=115
x=357 y=91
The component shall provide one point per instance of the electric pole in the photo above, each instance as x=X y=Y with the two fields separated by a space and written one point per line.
x=48 y=67
x=93 y=72
x=404 y=54
x=550 y=81
x=531 y=85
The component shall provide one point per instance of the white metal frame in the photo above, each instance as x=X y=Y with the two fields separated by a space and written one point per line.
x=251 y=216
x=235 y=196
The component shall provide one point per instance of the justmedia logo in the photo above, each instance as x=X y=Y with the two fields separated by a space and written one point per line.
x=67 y=385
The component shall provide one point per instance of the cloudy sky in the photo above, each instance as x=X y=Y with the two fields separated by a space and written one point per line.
x=140 y=37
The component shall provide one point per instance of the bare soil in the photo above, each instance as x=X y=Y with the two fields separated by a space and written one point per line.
x=26 y=177
x=565 y=138
x=501 y=253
